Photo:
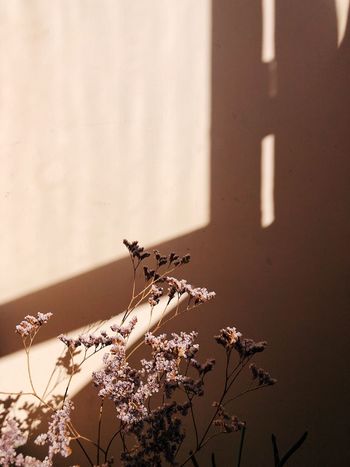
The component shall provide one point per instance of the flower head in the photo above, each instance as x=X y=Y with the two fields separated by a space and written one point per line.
x=31 y=324
x=58 y=435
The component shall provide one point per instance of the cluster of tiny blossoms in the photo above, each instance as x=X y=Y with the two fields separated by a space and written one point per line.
x=177 y=288
x=122 y=384
x=262 y=376
x=157 y=431
x=102 y=339
x=158 y=436
x=58 y=435
x=31 y=324
x=230 y=339
x=130 y=388
x=167 y=353
x=226 y=422
x=12 y=438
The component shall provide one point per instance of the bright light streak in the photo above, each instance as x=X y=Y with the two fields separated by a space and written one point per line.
x=342 y=12
x=267 y=180
x=268 y=51
x=47 y=352
x=268 y=31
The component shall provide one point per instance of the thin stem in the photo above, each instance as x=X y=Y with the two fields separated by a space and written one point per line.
x=157 y=327
x=193 y=418
x=84 y=451
x=193 y=459
x=228 y=355
x=241 y=446
x=246 y=392
x=111 y=440
x=204 y=443
x=75 y=370
x=72 y=373
x=179 y=447
x=243 y=364
x=133 y=283
x=123 y=440
x=143 y=293
x=49 y=381
x=27 y=350
x=163 y=313
x=29 y=371
x=227 y=385
x=99 y=433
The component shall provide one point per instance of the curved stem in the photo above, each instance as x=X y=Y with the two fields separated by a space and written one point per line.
x=84 y=451
x=111 y=441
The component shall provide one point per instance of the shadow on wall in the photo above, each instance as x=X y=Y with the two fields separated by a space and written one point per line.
x=287 y=283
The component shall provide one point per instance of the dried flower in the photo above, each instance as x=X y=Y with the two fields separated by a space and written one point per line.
x=228 y=337
x=31 y=324
x=167 y=354
x=207 y=366
x=161 y=260
x=11 y=438
x=158 y=437
x=29 y=461
x=135 y=250
x=102 y=339
x=155 y=294
x=172 y=371
x=58 y=435
x=228 y=423
x=247 y=347
x=200 y=294
x=125 y=330
x=262 y=376
x=123 y=385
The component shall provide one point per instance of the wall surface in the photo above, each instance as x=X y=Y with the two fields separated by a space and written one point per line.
x=121 y=120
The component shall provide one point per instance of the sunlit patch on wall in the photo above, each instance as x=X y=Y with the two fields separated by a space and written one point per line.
x=47 y=353
x=268 y=46
x=267 y=180
x=104 y=133
x=342 y=12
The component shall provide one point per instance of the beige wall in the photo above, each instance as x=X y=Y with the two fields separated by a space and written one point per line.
x=105 y=132
x=285 y=281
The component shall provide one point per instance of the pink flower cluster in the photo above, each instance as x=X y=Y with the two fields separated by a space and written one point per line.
x=130 y=388
x=199 y=294
x=123 y=385
x=58 y=435
x=12 y=438
x=102 y=339
x=167 y=353
x=31 y=324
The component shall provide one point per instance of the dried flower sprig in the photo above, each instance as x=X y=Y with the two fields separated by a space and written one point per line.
x=31 y=324
x=58 y=436
x=152 y=400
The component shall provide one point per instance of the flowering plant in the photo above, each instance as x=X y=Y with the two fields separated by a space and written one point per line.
x=151 y=400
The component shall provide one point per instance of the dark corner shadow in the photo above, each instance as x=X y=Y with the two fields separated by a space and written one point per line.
x=287 y=283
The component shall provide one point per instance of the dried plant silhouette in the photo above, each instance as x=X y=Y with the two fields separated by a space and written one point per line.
x=150 y=400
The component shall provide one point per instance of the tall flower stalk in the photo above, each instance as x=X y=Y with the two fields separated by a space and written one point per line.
x=153 y=400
